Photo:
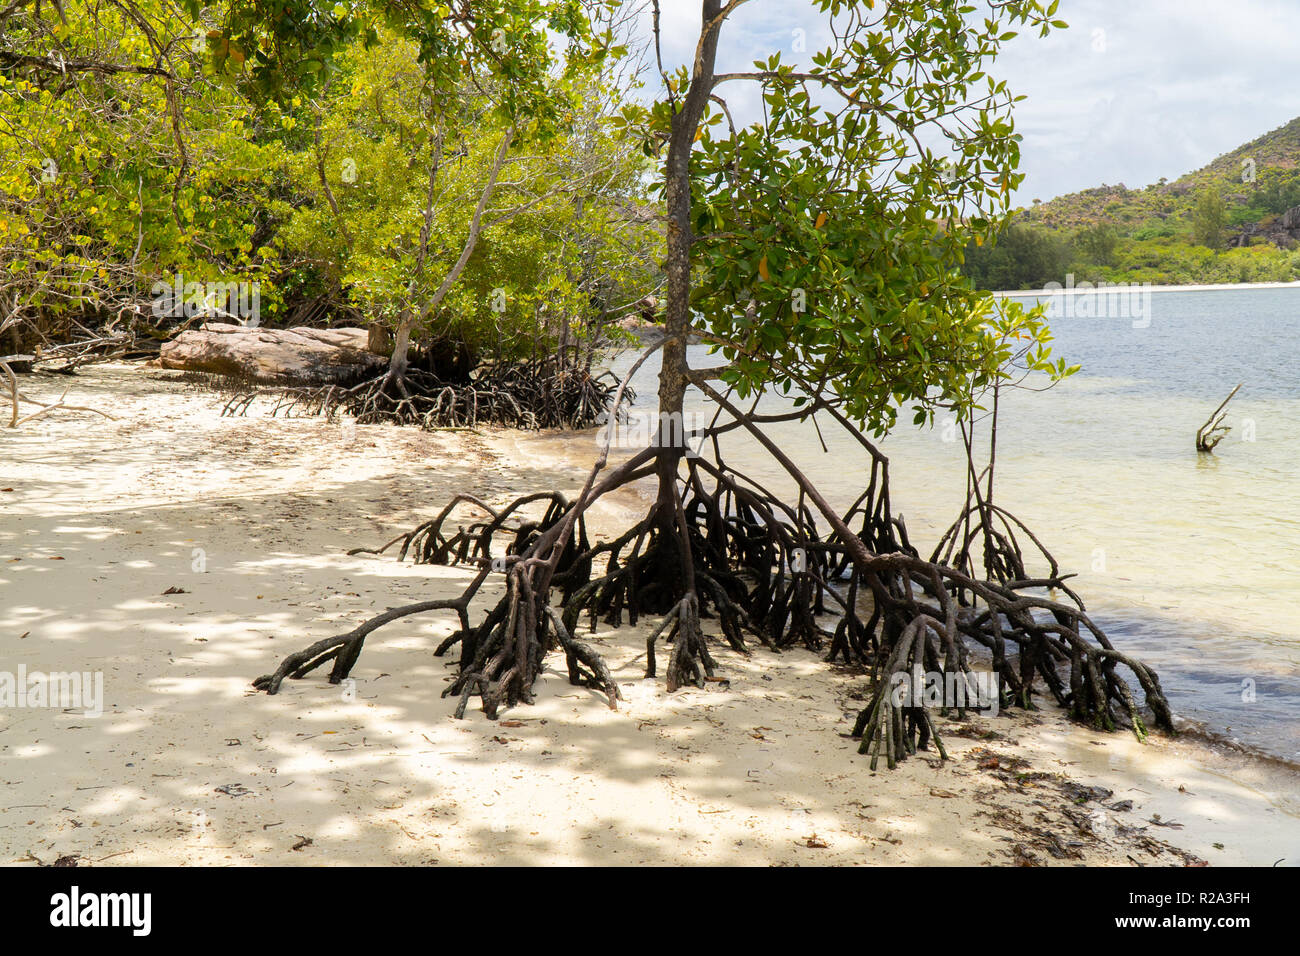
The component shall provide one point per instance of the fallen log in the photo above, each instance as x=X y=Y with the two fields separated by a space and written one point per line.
x=298 y=356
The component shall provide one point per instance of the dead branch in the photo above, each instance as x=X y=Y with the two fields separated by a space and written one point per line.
x=1213 y=431
x=15 y=397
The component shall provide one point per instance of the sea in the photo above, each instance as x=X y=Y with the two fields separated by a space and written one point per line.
x=1188 y=560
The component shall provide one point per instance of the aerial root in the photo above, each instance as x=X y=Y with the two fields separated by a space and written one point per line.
x=529 y=394
x=577 y=654
x=897 y=728
x=756 y=562
x=302 y=663
x=344 y=649
x=689 y=661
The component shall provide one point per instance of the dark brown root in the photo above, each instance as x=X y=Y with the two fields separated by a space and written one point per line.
x=716 y=545
x=578 y=655
x=532 y=395
x=344 y=649
x=759 y=566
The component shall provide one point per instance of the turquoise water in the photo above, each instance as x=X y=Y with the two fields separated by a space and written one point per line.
x=1189 y=561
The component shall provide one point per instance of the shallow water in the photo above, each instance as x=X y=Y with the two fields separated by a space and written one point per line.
x=1189 y=561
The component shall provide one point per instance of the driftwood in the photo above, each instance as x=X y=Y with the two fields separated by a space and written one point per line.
x=299 y=356
x=15 y=397
x=1213 y=431
x=13 y=384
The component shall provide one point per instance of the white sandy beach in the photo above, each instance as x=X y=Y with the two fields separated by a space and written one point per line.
x=251 y=517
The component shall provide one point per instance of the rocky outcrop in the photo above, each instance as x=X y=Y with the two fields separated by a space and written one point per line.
x=299 y=356
x=1283 y=231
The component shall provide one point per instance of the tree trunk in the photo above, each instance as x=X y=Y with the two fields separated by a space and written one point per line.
x=379 y=340
x=677 y=317
x=401 y=345
x=410 y=316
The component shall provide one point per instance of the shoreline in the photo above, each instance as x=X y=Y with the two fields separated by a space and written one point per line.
x=1196 y=752
x=189 y=766
x=1219 y=744
x=1112 y=286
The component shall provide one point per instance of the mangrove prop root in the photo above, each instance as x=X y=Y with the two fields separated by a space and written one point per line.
x=533 y=395
x=346 y=648
x=722 y=560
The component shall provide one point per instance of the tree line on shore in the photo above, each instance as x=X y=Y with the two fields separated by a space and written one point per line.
x=1235 y=220
x=152 y=144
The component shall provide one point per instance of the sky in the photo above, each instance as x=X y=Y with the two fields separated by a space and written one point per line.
x=1134 y=90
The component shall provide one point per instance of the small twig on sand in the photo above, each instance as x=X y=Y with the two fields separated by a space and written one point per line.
x=16 y=396
x=13 y=385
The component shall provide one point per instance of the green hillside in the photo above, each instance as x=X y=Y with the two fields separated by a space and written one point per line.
x=1230 y=221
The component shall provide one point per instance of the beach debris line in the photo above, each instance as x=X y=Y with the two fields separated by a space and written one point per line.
x=1214 y=431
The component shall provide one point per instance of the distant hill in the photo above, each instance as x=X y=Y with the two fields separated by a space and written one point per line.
x=1237 y=219
x=1275 y=188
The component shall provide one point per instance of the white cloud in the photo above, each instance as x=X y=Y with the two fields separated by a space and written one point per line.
x=1175 y=85
x=1171 y=84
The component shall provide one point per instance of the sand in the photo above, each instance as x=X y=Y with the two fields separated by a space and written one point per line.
x=251 y=517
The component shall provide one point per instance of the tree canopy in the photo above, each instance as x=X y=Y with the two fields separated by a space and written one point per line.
x=483 y=174
x=825 y=239
x=273 y=144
